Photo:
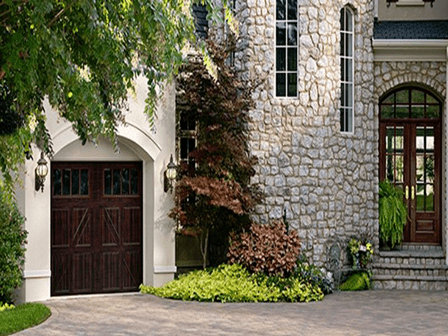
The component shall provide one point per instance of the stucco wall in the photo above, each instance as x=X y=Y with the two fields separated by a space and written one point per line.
x=137 y=142
x=417 y=10
x=325 y=180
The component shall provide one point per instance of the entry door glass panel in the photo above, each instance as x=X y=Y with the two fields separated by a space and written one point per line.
x=395 y=155
x=425 y=168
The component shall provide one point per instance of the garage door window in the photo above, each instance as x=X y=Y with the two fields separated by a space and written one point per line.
x=69 y=182
x=120 y=181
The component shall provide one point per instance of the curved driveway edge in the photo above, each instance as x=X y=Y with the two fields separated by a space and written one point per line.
x=342 y=313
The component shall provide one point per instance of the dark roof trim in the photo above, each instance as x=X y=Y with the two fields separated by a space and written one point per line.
x=411 y=30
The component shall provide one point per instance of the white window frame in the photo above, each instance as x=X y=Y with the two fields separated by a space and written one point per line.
x=287 y=46
x=347 y=82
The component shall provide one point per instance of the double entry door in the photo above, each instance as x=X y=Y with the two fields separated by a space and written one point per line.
x=410 y=153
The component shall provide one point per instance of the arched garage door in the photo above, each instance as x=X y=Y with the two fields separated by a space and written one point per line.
x=96 y=227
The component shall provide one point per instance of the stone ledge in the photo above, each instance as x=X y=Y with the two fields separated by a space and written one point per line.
x=409 y=266
x=411 y=254
x=408 y=277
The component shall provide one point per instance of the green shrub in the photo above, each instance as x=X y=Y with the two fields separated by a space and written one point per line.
x=269 y=249
x=392 y=213
x=12 y=251
x=234 y=283
x=4 y=306
x=312 y=274
x=357 y=281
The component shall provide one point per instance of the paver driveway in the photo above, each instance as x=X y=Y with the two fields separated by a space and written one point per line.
x=342 y=313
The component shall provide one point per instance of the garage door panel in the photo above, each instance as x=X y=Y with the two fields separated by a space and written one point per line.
x=132 y=273
x=131 y=228
x=110 y=268
x=96 y=227
x=82 y=272
x=110 y=226
x=60 y=265
x=82 y=223
x=61 y=222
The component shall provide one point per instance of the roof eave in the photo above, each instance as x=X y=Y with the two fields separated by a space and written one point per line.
x=410 y=50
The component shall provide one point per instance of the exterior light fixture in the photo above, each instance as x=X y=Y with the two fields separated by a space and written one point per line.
x=41 y=172
x=170 y=175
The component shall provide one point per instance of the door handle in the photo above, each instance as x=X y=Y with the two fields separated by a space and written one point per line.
x=412 y=192
x=406 y=195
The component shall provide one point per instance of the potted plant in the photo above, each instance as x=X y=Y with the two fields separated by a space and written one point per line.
x=361 y=251
x=392 y=214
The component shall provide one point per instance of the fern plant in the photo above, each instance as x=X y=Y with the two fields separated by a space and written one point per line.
x=392 y=213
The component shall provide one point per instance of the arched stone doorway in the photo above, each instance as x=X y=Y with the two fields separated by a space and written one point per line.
x=410 y=151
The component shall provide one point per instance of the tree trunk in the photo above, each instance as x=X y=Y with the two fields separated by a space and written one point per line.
x=203 y=244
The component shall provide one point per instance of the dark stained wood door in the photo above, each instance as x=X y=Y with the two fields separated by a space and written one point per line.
x=410 y=157
x=96 y=227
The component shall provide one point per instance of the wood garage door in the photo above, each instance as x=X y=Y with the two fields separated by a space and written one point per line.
x=96 y=227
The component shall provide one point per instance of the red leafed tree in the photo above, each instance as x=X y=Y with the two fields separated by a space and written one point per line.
x=214 y=195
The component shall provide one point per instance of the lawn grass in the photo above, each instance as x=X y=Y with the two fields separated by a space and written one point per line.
x=22 y=317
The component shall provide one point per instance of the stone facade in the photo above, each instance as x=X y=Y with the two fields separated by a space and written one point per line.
x=389 y=75
x=325 y=180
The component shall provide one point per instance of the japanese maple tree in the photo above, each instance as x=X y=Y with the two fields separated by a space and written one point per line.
x=215 y=197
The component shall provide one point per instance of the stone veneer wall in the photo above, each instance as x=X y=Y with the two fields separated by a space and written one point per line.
x=326 y=181
x=430 y=75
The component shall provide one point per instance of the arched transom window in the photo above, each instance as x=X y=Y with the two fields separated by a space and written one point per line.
x=410 y=102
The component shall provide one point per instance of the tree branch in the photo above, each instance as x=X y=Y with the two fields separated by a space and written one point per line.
x=59 y=14
x=21 y=3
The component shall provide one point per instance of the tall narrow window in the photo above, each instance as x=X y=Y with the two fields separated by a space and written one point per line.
x=187 y=142
x=286 y=48
x=347 y=67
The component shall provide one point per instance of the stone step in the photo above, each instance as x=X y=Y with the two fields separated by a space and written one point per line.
x=409 y=277
x=410 y=283
x=420 y=247
x=409 y=272
x=412 y=254
x=426 y=266
x=414 y=267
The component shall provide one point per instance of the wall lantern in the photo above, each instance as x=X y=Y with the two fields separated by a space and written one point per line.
x=170 y=175
x=41 y=172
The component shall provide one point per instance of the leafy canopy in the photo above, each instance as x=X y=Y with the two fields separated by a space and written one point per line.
x=83 y=56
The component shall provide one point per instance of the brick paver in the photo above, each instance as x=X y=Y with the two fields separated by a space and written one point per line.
x=342 y=313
